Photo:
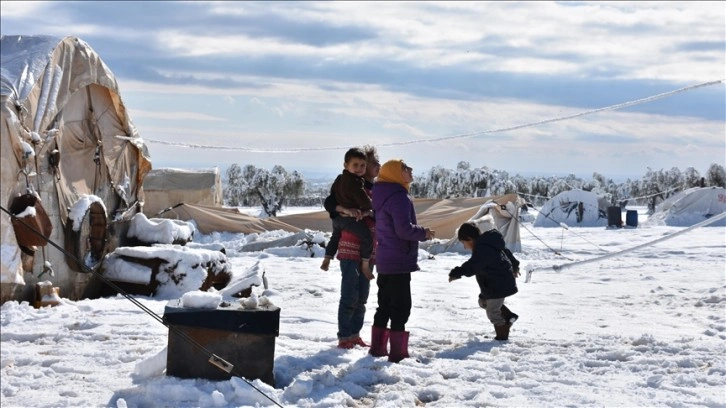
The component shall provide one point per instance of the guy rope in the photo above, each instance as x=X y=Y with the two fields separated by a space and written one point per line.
x=558 y=268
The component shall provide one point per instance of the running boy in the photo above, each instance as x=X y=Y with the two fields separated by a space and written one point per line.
x=495 y=268
x=348 y=190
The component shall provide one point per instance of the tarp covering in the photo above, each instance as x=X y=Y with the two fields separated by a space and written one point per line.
x=575 y=208
x=167 y=187
x=443 y=216
x=65 y=134
x=209 y=219
x=689 y=207
x=448 y=215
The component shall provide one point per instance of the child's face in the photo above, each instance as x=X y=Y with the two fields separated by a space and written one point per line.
x=356 y=166
x=468 y=244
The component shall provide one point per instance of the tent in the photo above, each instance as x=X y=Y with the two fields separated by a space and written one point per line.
x=690 y=207
x=164 y=188
x=72 y=163
x=448 y=215
x=209 y=219
x=575 y=208
x=443 y=216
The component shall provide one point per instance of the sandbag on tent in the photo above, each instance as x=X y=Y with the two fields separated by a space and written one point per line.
x=167 y=187
x=575 y=208
x=65 y=135
x=689 y=207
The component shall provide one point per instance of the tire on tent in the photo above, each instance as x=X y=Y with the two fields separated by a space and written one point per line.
x=86 y=247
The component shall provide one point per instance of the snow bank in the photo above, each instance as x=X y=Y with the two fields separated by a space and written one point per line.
x=178 y=269
x=160 y=230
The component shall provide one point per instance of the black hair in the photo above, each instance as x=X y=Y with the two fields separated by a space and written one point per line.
x=468 y=231
x=355 y=152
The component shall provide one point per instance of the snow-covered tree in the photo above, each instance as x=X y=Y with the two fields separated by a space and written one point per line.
x=716 y=175
x=252 y=185
x=235 y=186
x=691 y=178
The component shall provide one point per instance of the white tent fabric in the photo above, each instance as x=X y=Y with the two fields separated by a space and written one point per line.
x=575 y=208
x=503 y=210
x=167 y=187
x=689 y=207
x=65 y=135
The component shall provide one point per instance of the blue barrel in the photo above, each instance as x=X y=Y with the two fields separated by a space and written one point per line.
x=631 y=218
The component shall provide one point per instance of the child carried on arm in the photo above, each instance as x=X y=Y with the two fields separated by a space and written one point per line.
x=348 y=190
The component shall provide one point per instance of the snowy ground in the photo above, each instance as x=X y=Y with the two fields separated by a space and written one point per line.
x=647 y=328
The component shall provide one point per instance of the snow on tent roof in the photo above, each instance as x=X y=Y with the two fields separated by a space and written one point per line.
x=23 y=61
x=689 y=207
x=61 y=104
x=575 y=208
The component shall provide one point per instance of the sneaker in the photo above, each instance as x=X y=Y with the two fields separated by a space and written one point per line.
x=346 y=344
x=359 y=342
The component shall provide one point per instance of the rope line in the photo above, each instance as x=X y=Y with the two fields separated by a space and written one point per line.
x=218 y=362
x=624 y=198
x=445 y=138
x=558 y=268
x=547 y=215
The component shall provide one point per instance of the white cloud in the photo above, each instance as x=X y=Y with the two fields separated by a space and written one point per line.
x=20 y=9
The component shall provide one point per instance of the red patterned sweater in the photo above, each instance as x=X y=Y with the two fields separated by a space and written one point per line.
x=349 y=245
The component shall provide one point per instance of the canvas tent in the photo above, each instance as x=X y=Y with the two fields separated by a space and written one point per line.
x=689 y=207
x=68 y=141
x=164 y=188
x=443 y=216
x=208 y=219
x=575 y=208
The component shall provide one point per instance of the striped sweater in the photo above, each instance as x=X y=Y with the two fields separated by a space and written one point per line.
x=349 y=245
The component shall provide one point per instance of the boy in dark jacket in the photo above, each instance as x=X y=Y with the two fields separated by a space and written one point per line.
x=348 y=190
x=495 y=268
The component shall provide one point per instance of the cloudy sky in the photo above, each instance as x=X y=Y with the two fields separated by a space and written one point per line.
x=435 y=83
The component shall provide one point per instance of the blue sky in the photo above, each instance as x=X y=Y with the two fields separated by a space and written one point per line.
x=315 y=78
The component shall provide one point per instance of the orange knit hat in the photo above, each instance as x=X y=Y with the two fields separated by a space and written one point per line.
x=392 y=172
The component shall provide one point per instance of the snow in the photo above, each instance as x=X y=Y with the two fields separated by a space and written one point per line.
x=160 y=230
x=80 y=208
x=201 y=300
x=644 y=329
x=29 y=211
x=182 y=269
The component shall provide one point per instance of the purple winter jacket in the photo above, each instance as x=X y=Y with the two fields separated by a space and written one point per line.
x=396 y=230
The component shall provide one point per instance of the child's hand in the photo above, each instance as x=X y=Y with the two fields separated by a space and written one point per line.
x=429 y=234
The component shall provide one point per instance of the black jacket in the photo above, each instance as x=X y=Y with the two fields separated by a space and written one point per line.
x=493 y=264
x=329 y=204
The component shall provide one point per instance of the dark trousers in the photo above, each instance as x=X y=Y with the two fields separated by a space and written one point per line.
x=358 y=228
x=394 y=301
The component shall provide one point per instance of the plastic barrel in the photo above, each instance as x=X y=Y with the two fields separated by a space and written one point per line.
x=631 y=218
x=615 y=217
